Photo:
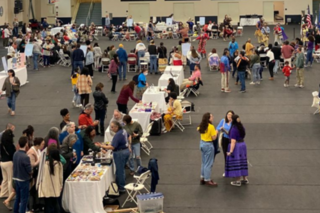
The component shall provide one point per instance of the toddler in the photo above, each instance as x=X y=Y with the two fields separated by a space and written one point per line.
x=74 y=80
x=287 y=70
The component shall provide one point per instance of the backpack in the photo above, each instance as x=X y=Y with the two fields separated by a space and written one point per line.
x=136 y=79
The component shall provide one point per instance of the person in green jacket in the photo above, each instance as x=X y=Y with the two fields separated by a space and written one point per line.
x=299 y=65
x=88 y=135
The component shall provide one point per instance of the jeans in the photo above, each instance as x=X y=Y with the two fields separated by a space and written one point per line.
x=256 y=72
x=22 y=196
x=77 y=64
x=309 y=57
x=100 y=116
x=153 y=64
x=76 y=96
x=123 y=70
x=276 y=66
x=141 y=53
x=120 y=159
x=242 y=78
x=46 y=60
x=114 y=82
x=207 y=159
x=135 y=155
x=35 y=60
x=11 y=101
x=15 y=31
x=123 y=108
x=234 y=65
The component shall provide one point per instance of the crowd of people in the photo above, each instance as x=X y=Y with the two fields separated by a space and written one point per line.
x=37 y=167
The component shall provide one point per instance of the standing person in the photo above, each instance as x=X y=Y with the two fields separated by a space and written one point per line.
x=76 y=96
x=120 y=147
x=310 y=48
x=224 y=128
x=36 y=52
x=134 y=130
x=176 y=57
x=123 y=58
x=249 y=48
x=97 y=55
x=242 y=65
x=100 y=106
x=90 y=60
x=300 y=69
x=287 y=51
x=194 y=59
x=21 y=175
x=84 y=84
x=126 y=92
x=287 y=70
x=12 y=87
x=162 y=61
x=271 y=62
x=258 y=32
x=207 y=135
x=142 y=84
x=277 y=34
x=140 y=51
x=47 y=47
x=202 y=43
x=265 y=30
x=7 y=149
x=277 y=56
x=304 y=35
x=52 y=182
x=233 y=46
x=113 y=72
x=152 y=49
x=237 y=162
x=256 y=66
x=78 y=58
x=15 y=27
x=224 y=70
x=234 y=65
x=6 y=37
x=107 y=22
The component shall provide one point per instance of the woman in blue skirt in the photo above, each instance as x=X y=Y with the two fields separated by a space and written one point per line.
x=237 y=164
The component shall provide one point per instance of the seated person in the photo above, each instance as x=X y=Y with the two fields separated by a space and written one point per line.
x=66 y=37
x=170 y=88
x=196 y=74
x=174 y=108
x=117 y=116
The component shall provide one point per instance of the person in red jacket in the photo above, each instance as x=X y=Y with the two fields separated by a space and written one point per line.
x=126 y=92
x=287 y=70
x=85 y=117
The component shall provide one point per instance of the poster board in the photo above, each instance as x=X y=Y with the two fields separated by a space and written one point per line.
x=29 y=49
x=84 y=49
x=169 y=21
x=202 y=21
x=129 y=22
x=4 y=63
x=185 y=47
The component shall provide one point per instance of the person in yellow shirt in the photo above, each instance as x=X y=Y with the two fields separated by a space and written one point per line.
x=207 y=134
x=74 y=80
x=249 y=47
x=174 y=108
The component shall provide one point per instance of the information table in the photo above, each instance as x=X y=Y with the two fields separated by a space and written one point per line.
x=155 y=95
x=108 y=136
x=86 y=194
x=163 y=81
x=21 y=73
x=138 y=112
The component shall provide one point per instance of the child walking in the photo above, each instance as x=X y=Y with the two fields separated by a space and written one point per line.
x=287 y=70
x=74 y=80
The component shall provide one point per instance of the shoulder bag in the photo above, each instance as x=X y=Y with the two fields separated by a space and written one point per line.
x=113 y=190
x=221 y=135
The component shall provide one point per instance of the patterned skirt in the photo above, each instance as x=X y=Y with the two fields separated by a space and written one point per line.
x=237 y=163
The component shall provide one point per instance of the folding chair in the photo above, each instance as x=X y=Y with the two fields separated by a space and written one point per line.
x=177 y=122
x=105 y=63
x=146 y=146
x=134 y=188
x=194 y=89
x=186 y=109
x=132 y=61
x=316 y=56
x=144 y=63
x=142 y=180
x=316 y=102
x=239 y=31
x=115 y=37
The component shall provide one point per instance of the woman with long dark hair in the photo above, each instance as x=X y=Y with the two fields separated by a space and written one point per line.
x=237 y=163
x=224 y=126
x=88 y=135
x=100 y=106
x=170 y=88
x=113 y=71
x=52 y=182
x=126 y=92
x=208 y=134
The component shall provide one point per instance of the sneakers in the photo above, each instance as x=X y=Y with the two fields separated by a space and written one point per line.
x=252 y=83
x=284 y=85
x=222 y=90
x=301 y=86
x=242 y=91
x=271 y=79
x=258 y=82
x=9 y=110
x=227 y=90
x=211 y=183
x=296 y=85
x=235 y=183
x=306 y=65
x=223 y=175
x=245 y=181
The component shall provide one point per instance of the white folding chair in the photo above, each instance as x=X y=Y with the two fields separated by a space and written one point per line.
x=177 y=122
x=131 y=67
x=134 y=188
x=316 y=102
x=143 y=180
x=146 y=146
x=115 y=37
x=186 y=109
x=105 y=63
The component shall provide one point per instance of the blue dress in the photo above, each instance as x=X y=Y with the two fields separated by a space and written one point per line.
x=78 y=145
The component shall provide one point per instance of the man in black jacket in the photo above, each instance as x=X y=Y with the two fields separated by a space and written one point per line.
x=242 y=65
x=277 y=54
x=152 y=49
x=78 y=58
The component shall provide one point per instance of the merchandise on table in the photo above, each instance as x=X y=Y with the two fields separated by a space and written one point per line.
x=86 y=173
x=144 y=107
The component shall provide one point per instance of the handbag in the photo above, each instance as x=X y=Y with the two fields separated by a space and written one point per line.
x=221 y=135
x=113 y=190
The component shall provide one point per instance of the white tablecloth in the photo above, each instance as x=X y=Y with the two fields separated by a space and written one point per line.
x=155 y=96
x=248 y=21
x=86 y=196
x=175 y=70
x=143 y=117
x=163 y=81
x=21 y=73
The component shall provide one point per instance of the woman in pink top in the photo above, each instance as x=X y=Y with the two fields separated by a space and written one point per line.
x=52 y=137
x=196 y=75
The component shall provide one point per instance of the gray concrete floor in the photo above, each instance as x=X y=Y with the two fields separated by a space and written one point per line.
x=282 y=137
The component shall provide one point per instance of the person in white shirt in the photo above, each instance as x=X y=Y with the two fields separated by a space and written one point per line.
x=271 y=61
x=47 y=47
x=7 y=35
x=12 y=49
x=140 y=50
x=97 y=55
